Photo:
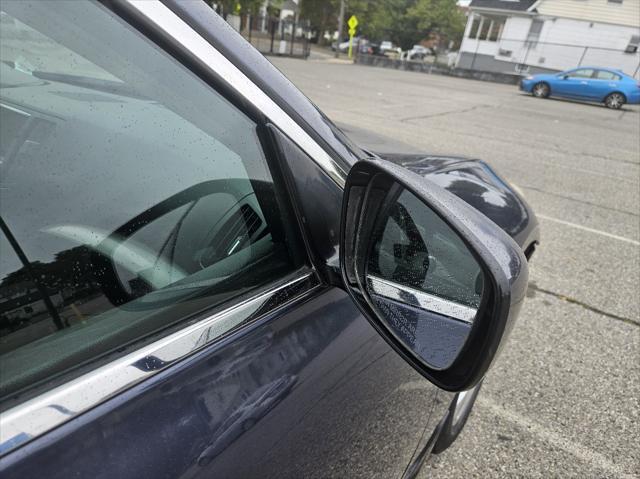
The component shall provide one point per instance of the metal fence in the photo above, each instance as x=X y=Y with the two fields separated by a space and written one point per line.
x=533 y=56
x=274 y=36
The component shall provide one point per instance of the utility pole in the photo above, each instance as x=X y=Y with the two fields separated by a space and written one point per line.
x=340 y=27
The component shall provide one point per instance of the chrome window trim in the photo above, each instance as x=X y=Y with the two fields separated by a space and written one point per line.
x=420 y=299
x=14 y=109
x=43 y=413
x=166 y=20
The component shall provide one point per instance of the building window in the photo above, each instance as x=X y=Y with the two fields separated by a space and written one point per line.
x=614 y=1
x=497 y=25
x=475 y=27
x=484 y=30
x=534 y=32
x=633 y=44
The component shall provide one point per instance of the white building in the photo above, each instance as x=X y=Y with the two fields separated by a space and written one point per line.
x=520 y=36
x=288 y=10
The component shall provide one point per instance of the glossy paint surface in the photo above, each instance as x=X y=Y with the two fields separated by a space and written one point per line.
x=475 y=182
x=313 y=391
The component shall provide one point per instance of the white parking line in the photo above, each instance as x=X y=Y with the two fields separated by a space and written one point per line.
x=590 y=230
x=633 y=181
x=577 y=450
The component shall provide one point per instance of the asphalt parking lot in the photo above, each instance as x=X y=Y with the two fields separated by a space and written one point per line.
x=564 y=397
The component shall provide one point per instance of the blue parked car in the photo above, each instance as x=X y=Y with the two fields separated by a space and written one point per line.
x=202 y=277
x=604 y=85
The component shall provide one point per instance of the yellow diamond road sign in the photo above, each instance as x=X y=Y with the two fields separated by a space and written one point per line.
x=353 y=22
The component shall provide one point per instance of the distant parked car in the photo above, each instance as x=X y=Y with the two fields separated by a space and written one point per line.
x=343 y=46
x=604 y=85
x=387 y=46
x=418 y=52
x=368 y=48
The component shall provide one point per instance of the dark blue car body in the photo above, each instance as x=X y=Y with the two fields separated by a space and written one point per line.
x=312 y=389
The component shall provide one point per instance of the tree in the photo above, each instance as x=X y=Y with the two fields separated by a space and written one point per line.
x=250 y=7
x=321 y=14
x=407 y=22
x=437 y=16
x=242 y=7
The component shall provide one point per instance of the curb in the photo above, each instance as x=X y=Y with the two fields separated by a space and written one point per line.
x=429 y=68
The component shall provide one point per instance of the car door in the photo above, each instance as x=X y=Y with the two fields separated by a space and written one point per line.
x=166 y=252
x=603 y=83
x=574 y=83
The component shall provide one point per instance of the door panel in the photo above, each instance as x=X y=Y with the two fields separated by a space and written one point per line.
x=601 y=88
x=311 y=392
x=603 y=83
x=572 y=87
x=577 y=85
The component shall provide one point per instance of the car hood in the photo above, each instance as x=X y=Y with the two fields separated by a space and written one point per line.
x=475 y=182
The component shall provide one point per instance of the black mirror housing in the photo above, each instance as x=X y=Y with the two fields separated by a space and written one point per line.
x=392 y=273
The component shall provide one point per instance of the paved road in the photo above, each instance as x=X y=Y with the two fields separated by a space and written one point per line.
x=563 y=398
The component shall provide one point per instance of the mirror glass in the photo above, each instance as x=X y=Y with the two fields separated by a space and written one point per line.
x=423 y=280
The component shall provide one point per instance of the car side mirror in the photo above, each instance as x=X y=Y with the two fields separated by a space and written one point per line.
x=565 y=77
x=437 y=279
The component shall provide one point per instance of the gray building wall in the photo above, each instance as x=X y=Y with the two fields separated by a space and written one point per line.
x=488 y=63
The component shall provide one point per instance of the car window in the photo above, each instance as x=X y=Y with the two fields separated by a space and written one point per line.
x=581 y=73
x=132 y=195
x=607 y=75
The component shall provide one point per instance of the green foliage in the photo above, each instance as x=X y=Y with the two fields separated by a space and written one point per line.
x=225 y=7
x=404 y=22
x=237 y=7
x=273 y=6
x=437 y=16
x=321 y=14
x=407 y=22
x=250 y=6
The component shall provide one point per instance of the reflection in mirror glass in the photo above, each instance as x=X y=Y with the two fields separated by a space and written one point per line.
x=423 y=279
